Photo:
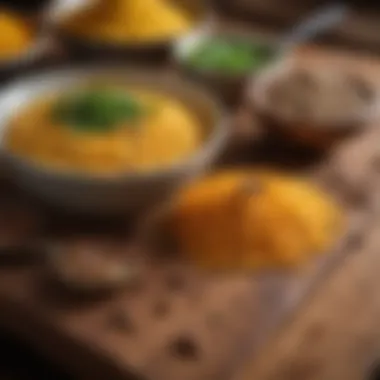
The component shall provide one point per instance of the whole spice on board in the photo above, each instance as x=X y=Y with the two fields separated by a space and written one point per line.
x=91 y=265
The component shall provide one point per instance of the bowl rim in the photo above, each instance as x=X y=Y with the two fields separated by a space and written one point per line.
x=53 y=17
x=218 y=138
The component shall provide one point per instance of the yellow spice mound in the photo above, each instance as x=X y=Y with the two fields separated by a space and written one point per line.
x=119 y=21
x=247 y=220
x=15 y=34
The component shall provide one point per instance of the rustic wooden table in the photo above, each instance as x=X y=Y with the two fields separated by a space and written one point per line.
x=336 y=334
x=320 y=341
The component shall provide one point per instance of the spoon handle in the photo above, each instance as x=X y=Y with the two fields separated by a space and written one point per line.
x=319 y=21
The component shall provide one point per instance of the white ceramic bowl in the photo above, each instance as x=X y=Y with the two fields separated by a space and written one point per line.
x=125 y=191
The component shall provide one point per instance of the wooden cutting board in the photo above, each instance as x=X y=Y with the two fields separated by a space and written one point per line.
x=177 y=323
x=337 y=334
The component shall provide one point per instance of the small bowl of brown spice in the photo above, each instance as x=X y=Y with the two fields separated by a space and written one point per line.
x=316 y=106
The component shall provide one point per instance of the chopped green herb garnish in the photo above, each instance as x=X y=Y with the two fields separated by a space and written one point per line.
x=230 y=56
x=97 y=110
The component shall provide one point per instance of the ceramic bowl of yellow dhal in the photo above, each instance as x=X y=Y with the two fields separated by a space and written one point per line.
x=100 y=164
x=124 y=28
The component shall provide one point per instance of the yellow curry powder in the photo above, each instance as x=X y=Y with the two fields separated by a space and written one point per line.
x=120 y=21
x=16 y=34
x=248 y=220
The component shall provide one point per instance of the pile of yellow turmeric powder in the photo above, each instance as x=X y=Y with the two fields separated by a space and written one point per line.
x=16 y=35
x=248 y=220
x=129 y=21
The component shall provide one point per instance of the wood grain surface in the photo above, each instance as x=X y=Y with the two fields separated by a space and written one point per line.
x=335 y=335
x=211 y=324
x=182 y=344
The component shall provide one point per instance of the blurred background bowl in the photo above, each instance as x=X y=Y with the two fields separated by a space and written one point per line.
x=124 y=192
x=26 y=60
x=86 y=49
x=303 y=130
x=229 y=87
x=25 y=55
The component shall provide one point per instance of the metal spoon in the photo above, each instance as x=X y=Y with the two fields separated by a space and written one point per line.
x=317 y=22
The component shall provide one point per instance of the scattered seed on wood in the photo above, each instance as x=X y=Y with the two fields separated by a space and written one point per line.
x=375 y=163
x=175 y=282
x=362 y=88
x=185 y=348
x=161 y=309
x=355 y=242
x=120 y=320
x=214 y=319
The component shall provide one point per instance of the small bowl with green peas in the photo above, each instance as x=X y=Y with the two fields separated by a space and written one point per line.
x=223 y=61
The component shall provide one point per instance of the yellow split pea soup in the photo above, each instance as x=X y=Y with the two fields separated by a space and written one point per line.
x=105 y=130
